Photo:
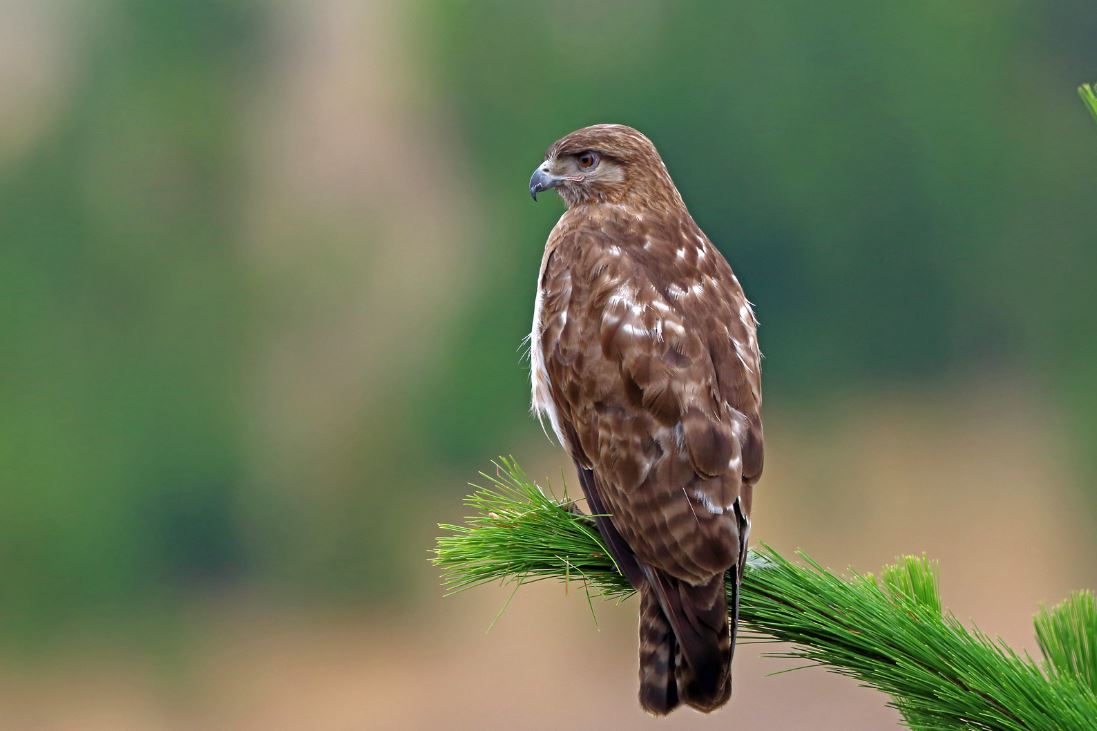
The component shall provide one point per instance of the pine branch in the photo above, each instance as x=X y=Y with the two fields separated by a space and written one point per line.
x=1088 y=92
x=887 y=632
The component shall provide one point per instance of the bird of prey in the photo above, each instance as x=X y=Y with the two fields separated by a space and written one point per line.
x=644 y=358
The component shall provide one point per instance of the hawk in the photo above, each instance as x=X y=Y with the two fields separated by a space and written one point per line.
x=644 y=359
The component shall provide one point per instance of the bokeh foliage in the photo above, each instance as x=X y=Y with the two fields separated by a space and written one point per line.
x=123 y=324
x=905 y=191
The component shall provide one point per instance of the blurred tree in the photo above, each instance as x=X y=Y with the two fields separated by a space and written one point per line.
x=122 y=323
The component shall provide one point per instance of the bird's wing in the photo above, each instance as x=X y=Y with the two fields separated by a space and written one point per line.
x=653 y=373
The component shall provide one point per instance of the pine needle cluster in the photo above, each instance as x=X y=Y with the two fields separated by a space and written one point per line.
x=1088 y=92
x=888 y=631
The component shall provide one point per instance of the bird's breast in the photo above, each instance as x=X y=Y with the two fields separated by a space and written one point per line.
x=541 y=394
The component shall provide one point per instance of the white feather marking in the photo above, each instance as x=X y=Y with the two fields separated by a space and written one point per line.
x=708 y=504
x=746 y=315
x=690 y=504
x=624 y=295
x=615 y=250
x=541 y=399
x=741 y=354
x=675 y=291
x=698 y=288
x=743 y=362
x=523 y=348
x=681 y=253
x=738 y=505
x=640 y=331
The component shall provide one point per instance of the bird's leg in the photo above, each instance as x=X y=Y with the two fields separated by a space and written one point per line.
x=572 y=506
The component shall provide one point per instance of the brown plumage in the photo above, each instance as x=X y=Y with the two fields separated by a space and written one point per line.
x=645 y=360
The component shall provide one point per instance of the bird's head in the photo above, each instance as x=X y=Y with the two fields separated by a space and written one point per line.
x=604 y=163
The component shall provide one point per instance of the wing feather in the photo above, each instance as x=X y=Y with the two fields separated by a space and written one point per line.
x=653 y=374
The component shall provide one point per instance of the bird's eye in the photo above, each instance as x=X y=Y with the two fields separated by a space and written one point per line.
x=587 y=159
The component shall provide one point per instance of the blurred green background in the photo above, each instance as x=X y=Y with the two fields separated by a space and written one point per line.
x=264 y=268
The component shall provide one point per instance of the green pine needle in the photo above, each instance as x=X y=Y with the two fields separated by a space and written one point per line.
x=1088 y=92
x=890 y=633
x=915 y=579
x=1068 y=637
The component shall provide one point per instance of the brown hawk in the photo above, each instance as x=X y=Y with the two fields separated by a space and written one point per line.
x=644 y=358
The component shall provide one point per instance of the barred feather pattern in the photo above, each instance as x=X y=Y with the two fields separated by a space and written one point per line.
x=645 y=359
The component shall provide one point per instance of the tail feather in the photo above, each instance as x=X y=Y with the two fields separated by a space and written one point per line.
x=704 y=679
x=658 y=655
x=686 y=645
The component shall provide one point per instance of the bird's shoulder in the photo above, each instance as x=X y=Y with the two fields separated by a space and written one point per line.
x=662 y=268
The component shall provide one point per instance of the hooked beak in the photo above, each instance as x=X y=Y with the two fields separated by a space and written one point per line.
x=541 y=180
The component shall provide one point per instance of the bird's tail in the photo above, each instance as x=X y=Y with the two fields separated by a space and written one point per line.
x=658 y=653
x=686 y=645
